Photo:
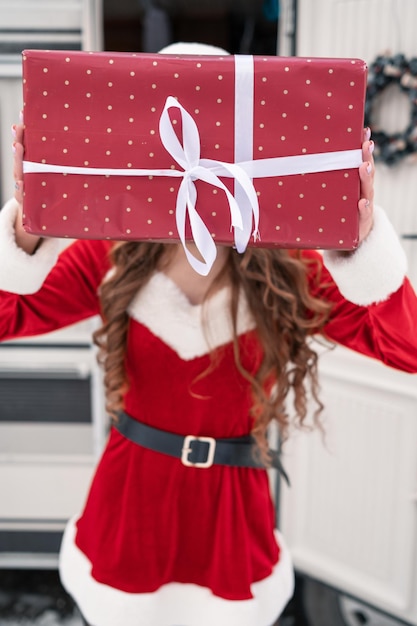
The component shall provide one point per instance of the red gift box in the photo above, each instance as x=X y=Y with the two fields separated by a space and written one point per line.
x=138 y=146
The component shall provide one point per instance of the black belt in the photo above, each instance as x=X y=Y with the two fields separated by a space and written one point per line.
x=196 y=451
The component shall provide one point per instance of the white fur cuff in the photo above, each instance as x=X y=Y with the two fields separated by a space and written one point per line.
x=375 y=270
x=20 y=272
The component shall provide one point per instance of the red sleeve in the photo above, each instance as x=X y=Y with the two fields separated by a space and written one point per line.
x=386 y=331
x=68 y=295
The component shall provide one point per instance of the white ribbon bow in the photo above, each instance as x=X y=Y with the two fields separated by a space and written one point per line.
x=187 y=155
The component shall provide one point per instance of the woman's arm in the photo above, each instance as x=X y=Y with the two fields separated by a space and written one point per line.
x=385 y=329
x=42 y=290
x=374 y=307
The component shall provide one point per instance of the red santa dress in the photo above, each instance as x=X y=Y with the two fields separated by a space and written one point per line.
x=159 y=543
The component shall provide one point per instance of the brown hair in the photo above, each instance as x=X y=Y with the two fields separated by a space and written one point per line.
x=285 y=313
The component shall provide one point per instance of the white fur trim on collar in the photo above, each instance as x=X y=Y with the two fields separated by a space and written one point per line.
x=20 y=272
x=375 y=270
x=190 y=330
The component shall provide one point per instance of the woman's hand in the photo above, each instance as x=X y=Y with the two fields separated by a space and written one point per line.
x=366 y=174
x=24 y=240
x=17 y=131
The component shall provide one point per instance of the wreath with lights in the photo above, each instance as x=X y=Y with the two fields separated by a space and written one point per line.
x=383 y=72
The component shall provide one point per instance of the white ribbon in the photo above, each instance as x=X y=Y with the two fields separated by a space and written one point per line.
x=244 y=107
x=261 y=168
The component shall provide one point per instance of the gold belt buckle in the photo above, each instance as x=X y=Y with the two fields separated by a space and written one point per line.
x=187 y=449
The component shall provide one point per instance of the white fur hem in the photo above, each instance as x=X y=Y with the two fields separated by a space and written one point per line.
x=20 y=272
x=375 y=270
x=174 y=603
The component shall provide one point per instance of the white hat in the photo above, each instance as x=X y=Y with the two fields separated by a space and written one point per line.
x=182 y=47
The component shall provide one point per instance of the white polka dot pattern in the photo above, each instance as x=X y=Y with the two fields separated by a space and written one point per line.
x=103 y=109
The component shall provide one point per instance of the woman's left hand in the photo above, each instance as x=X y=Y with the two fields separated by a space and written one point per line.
x=366 y=174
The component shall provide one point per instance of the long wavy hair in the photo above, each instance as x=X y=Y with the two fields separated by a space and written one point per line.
x=275 y=284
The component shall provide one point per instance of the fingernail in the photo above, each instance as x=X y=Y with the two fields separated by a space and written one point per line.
x=21 y=116
x=367 y=133
x=371 y=146
x=367 y=203
x=14 y=147
x=14 y=130
x=369 y=168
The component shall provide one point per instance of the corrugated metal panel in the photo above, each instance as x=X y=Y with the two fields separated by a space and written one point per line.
x=364 y=29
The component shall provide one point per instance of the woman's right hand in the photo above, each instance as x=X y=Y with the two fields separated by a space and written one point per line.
x=24 y=240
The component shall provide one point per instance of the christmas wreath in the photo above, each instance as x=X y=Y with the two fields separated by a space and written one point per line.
x=385 y=71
